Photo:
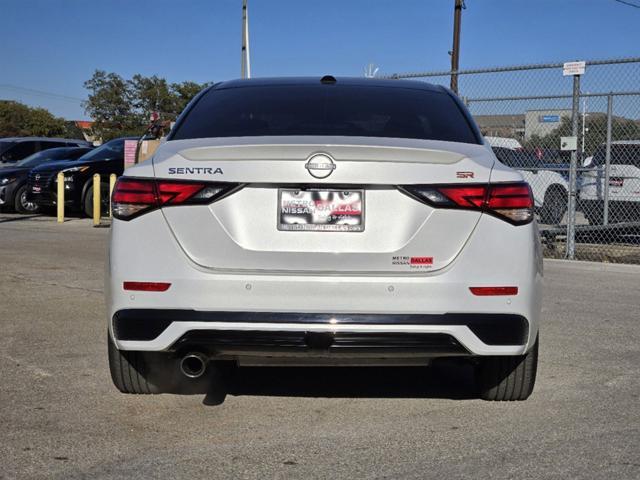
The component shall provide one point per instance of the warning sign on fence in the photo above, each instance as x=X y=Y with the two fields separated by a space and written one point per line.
x=573 y=68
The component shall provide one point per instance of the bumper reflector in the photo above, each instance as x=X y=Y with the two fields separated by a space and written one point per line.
x=147 y=286
x=493 y=291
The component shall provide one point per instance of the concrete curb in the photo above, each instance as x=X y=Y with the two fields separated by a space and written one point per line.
x=593 y=266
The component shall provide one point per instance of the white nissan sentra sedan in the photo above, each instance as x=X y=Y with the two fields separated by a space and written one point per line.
x=322 y=221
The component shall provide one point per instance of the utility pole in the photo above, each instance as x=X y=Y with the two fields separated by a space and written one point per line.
x=245 y=60
x=455 y=52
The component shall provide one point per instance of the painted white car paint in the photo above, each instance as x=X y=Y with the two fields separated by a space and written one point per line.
x=229 y=255
x=624 y=182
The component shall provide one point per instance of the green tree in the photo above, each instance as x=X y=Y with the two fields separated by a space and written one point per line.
x=19 y=120
x=111 y=105
x=152 y=94
x=122 y=107
x=184 y=92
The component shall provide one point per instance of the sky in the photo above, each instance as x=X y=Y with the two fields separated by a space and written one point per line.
x=48 y=48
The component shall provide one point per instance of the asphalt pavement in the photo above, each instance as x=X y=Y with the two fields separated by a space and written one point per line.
x=60 y=416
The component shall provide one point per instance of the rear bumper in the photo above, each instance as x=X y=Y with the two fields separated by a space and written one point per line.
x=213 y=302
x=286 y=332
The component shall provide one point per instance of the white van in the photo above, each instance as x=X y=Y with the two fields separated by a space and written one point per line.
x=624 y=184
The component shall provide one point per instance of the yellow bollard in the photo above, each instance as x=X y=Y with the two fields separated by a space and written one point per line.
x=60 y=198
x=96 y=199
x=112 y=183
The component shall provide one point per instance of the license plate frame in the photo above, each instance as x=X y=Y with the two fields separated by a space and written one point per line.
x=309 y=220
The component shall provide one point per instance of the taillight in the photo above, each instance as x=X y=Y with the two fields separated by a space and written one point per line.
x=493 y=291
x=134 y=196
x=512 y=202
x=146 y=286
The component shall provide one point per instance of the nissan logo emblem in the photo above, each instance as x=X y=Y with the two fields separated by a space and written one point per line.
x=320 y=165
x=37 y=176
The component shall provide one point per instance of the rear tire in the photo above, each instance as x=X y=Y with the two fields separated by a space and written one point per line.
x=508 y=378
x=159 y=372
x=129 y=371
x=554 y=206
x=594 y=212
x=21 y=204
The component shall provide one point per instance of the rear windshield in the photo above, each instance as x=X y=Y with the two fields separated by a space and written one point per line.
x=5 y=145
x=112 y=150
x=621 y=154
x=516 y=158
x=51 y=154
x=326 y=110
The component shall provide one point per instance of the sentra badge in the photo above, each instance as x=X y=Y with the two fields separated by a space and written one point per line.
x=195 y=171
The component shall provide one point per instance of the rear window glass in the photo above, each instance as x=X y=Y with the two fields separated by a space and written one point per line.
x=326 y=110
x=112 y=150
x=5 y=146
x=621 y=154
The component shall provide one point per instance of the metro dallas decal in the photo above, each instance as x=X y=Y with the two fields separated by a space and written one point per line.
x=413 y=262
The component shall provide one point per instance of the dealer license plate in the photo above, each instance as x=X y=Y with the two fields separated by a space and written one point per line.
x=321 y=210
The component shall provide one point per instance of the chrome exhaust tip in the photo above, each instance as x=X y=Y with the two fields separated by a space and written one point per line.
x=193 y=365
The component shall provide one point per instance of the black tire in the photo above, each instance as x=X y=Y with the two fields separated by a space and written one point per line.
x=87 y=206
x=21 y=205
x=554 y=206
x=159 y=372
x=508 y=378
x=595 y=214
x=129 y=371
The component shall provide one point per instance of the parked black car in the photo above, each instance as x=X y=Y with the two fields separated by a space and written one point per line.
x=13 y=178
x=78 y=177
x=14 y=149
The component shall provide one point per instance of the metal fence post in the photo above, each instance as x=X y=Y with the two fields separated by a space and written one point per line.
x=573 y=173
x=607 y=167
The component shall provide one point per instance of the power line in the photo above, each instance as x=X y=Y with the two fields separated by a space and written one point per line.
x=41 y=93
x=624 y=2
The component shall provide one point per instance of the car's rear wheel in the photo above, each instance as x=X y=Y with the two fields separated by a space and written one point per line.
x=159 y=372
x=129 y=371
x=508 y=378
x=21 y=204
x=554 y=206
x=594 y=213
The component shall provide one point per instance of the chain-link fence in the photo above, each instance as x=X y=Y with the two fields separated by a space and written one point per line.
x=592 y=212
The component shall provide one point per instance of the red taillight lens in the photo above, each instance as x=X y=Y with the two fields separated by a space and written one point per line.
x=146 y=286
x=512 y=202
x=171 y=193
x=465 y=196
x=134 y=196
x=493 y=291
